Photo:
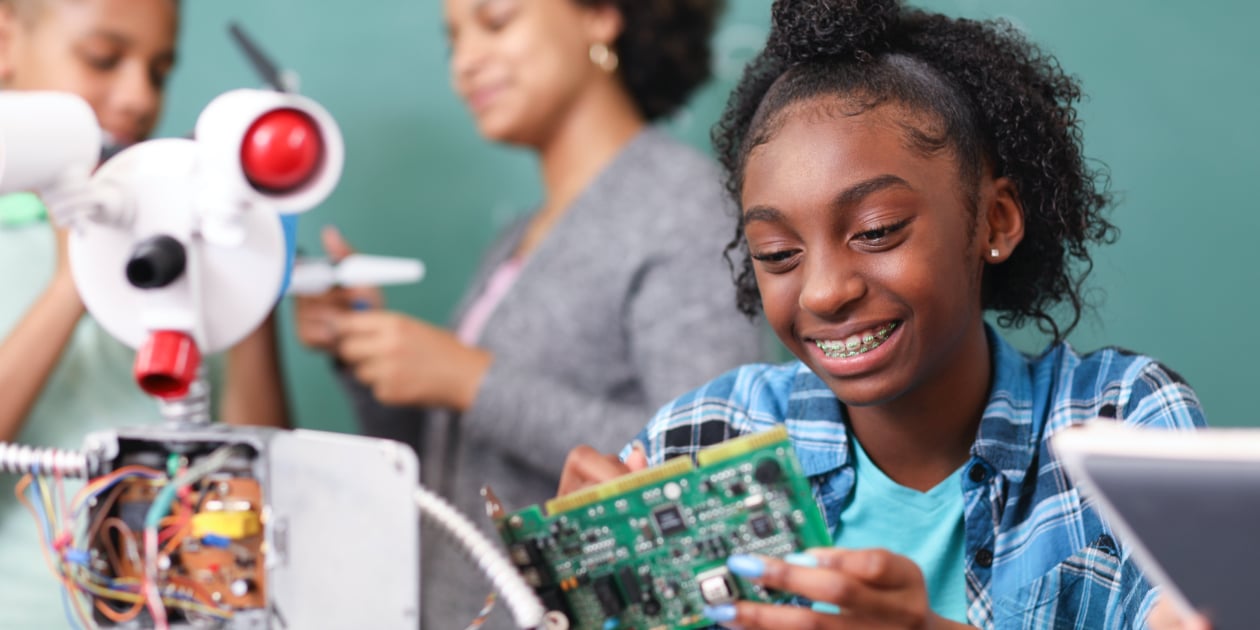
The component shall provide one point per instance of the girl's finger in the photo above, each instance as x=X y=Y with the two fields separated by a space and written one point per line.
x=854 y=595
x=586 y=466
x=877 y=567
x=754 y=616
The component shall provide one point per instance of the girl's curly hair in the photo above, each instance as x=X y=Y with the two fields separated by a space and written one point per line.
x=664 y=49
x=995 y=100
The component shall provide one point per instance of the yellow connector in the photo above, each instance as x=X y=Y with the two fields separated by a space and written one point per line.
x=234 y=525
x=731 y=449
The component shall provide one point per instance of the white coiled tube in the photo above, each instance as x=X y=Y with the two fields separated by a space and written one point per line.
x=527 y=610
x=17 y=459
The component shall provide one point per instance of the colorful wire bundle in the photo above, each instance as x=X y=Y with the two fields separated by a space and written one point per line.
x=67 y=536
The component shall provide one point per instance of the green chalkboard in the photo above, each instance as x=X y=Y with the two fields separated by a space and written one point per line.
x=1172 y=90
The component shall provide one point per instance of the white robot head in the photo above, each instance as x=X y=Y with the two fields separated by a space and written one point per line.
x=180 y=249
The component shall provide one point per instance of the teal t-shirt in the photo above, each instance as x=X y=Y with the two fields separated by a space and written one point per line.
x=926 y=527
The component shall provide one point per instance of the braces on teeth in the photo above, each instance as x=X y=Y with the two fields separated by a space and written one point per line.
x=854 y=345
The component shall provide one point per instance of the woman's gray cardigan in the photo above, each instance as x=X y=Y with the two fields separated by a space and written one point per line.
x=626 y=304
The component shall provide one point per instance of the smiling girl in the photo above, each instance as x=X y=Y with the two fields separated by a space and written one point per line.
x=901 y=173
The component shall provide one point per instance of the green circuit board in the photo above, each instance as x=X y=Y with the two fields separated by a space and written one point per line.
x=648 y=550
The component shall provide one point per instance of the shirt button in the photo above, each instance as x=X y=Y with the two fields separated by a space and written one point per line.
x=977 y=473
x=984 y=558
x=1107 y=544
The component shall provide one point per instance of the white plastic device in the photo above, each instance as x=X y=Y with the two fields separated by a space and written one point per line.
x=48 y=141
x=312 y=276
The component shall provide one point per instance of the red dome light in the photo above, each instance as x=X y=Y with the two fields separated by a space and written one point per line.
x=282 y=151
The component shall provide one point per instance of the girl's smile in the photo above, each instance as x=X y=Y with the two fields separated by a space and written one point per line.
x=842 y=353
x=866 y=250
x=857 y=343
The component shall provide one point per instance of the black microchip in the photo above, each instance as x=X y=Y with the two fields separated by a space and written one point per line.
x=630 y=584
x=717 y=548
x=133 y=514
x=669 y=520
x=553 y=599
x=609 y=597
x=761 y=526
x=768 y=472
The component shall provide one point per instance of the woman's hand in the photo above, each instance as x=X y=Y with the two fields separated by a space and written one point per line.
x=1165 y=617
x=874 y=588
x=586 y=466
x=405 y=361
x=316 y=315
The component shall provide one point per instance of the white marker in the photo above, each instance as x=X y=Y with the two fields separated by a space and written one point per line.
x=312 y=276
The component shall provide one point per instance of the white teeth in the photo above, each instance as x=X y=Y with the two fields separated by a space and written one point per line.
x=855 y=344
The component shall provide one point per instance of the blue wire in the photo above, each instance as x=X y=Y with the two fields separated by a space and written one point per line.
x=38 y=501
x=65 y=604
x=78 y=511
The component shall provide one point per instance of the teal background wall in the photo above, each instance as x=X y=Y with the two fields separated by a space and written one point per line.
x=1172 y=91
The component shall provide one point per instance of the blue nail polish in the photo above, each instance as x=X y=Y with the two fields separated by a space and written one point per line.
x=825 y=608
x=801 y=560
x=746 y=566
x=720 y=614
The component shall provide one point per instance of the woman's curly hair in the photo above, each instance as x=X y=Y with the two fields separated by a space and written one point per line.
x=993 y=98
x=664 y=49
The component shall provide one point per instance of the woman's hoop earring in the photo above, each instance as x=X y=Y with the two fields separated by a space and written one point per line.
x=604 y=57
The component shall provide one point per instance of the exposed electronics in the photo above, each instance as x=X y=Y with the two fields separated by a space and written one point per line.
x=230 y=527
x=648 y=550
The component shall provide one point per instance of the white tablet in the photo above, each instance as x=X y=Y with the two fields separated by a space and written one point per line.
x=1187 y=503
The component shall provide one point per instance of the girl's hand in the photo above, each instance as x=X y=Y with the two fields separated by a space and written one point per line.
x=408 y=362
x=874 y=588
x=585 y=467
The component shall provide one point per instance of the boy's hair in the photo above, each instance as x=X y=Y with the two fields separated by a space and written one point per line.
x=993 y=99
x=664 y=49
x=28 y=10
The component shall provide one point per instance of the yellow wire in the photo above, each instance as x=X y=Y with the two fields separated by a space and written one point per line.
x=131 y=598
x=48 y=506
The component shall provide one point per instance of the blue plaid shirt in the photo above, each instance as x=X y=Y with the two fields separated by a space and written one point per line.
x=1037 y=555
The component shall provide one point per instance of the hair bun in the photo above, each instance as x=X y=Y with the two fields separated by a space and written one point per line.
x=806 y=30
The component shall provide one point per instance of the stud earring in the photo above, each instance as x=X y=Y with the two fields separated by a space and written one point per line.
x=604 y=57
x=993 y=253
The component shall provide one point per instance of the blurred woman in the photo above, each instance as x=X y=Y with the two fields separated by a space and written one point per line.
x=588 y=314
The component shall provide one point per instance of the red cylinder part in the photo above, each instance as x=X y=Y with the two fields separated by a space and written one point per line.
x=166 y=364
x=282 y=151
